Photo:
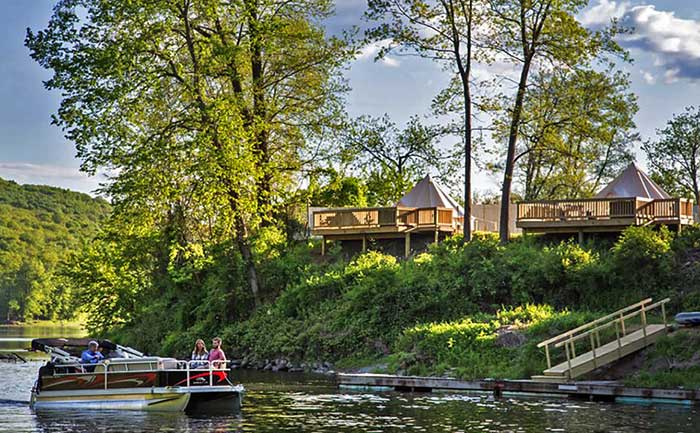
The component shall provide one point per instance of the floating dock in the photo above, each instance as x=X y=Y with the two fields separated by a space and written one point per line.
x=594 y=391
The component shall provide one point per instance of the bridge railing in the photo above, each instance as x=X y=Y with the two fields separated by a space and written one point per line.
x=593 y=329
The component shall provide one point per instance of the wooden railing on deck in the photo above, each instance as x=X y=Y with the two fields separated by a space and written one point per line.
x=349 y=218
x=644 y=210
x=579 y=209
x=667 y=208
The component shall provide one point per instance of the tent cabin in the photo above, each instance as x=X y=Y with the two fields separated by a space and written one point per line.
x=424 y=215
x=630 y=199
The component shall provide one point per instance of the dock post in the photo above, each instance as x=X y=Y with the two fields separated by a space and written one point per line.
x=407 y=245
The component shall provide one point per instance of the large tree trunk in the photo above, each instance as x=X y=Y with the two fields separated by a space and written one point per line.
x=510 y=157
x=262 y=135
x=467 y=160
x=246 y=253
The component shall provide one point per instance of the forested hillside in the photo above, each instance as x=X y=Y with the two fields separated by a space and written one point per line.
x=39 y=227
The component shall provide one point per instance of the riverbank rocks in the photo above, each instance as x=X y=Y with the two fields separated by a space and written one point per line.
x=510 y=338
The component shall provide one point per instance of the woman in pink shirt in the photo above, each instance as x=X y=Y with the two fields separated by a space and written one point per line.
x=216 y=354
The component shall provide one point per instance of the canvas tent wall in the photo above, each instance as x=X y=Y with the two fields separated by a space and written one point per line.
x=633 y=182
x=429 y=193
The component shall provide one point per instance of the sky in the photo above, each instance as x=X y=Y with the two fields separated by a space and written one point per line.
x=665 y=76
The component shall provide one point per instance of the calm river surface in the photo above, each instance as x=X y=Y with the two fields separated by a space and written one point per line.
x=304 y=403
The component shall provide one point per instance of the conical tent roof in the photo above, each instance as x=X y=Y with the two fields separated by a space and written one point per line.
x=428 y=193
x=633 y=182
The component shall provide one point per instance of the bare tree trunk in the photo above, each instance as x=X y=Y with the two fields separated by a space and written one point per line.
x=504 y=229
x=464 y=69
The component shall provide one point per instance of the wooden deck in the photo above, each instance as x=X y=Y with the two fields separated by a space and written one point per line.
x=377 y=223
x=382 y=220
x=600 y=215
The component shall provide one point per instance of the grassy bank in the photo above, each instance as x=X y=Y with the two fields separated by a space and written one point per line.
x=446 y=310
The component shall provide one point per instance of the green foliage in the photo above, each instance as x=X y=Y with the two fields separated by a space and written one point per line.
x=393 y=160
x=576 y=132
x=671 y=362
x=375 y=304
x=329 y=188
x=469 y=345
x=641 y=251
x=675 y=156
x=39 y=227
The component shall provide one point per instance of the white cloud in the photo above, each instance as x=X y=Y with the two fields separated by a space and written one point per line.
x=370 y=51
x=48 y=174
x=674 y=42
x=648 y=77
x=603 y=12
x=671 y=75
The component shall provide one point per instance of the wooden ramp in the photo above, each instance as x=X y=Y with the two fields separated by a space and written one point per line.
x=624 y=343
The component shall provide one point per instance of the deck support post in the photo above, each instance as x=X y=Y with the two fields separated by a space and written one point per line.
x=323 y=245
x=437 y=235
x=407 y=245
x=364 y=242
x=580 y=237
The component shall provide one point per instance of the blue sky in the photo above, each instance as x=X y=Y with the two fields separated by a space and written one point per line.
x=665 y=76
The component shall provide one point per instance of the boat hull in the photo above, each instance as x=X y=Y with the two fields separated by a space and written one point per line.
x=215 y=402
x=138 y=399
x=208 y=399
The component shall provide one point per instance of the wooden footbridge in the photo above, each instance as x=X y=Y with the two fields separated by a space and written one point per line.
x=627 y=339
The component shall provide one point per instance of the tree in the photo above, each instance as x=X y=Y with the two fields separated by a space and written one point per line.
x=674 y=157
x=200 y=107
x=392 y=160
x=537 y=35
x=576 y=133
x=444 y=31
x=329 y=188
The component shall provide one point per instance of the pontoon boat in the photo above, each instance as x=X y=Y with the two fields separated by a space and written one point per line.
x=128 y=379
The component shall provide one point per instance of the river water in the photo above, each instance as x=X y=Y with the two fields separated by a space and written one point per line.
x=309 y=403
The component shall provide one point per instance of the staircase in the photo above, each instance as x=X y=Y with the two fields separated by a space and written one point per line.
x=625 y=342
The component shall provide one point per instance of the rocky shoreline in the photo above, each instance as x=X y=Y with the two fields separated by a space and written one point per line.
x=283 y=365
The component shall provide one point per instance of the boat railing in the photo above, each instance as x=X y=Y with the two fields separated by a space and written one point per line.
x=109 y=367
x=198 y=366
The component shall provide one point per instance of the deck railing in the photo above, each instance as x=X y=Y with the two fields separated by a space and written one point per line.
x=579 y=209
x=352 y=218
x=643 y=210
x=668 y=208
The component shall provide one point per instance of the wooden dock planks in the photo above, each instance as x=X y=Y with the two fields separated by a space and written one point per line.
x=586 y=390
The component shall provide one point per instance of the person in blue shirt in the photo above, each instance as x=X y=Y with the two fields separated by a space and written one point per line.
x=91 y=355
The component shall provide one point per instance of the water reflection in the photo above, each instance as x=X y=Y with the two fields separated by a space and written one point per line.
x=18 y=338
x=308 y=403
